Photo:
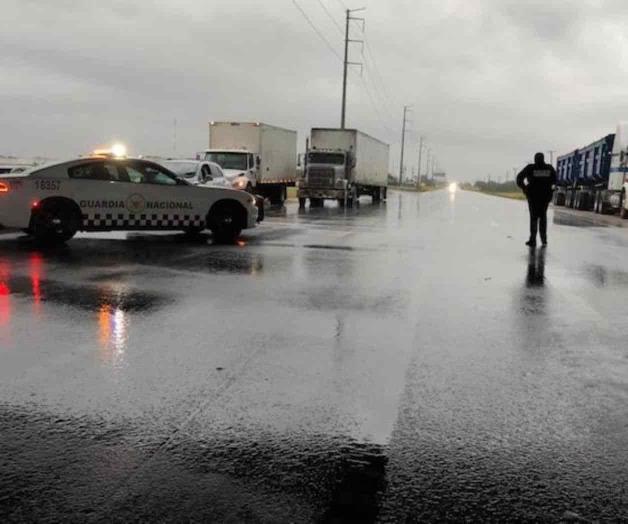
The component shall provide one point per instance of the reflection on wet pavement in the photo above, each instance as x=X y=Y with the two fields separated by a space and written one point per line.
x=83 y=297
x=404 y=362
x=536 y=268
x=112 y=331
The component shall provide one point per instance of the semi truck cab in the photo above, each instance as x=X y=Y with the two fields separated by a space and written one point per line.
x=327 y=175
x=342 y=165
x=618 y=178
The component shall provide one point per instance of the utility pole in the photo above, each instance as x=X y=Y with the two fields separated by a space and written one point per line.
x=175 y=137
x=427 y=164
x=346 y=62
x=551 y=154
x=403 y=141
x=418 y=181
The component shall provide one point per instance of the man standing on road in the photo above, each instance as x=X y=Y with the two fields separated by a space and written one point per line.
x=537 y=183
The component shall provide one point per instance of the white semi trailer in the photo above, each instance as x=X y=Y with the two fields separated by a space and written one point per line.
x=341 y=165
x=256 y=157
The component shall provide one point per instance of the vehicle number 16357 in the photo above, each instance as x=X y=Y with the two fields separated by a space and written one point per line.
x=48 y=185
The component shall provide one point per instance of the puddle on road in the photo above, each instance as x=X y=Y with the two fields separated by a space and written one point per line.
x=329 y=478
x=85 y=297
x=230 y=261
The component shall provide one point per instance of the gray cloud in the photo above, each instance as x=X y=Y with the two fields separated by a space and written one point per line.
x=491 y=81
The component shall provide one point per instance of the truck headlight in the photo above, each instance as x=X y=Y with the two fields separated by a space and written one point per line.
x=240 y=183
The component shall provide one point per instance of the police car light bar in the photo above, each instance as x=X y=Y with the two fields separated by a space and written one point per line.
x=116 y=150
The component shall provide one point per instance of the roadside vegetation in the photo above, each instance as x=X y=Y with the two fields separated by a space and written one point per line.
x=501 y=189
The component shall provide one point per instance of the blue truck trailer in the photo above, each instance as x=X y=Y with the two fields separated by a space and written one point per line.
x=594 y=177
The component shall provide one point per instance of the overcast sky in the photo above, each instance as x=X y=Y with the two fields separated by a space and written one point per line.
x=490 y=81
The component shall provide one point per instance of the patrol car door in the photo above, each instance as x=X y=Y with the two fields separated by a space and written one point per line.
x=157 y=200
x=98 y=186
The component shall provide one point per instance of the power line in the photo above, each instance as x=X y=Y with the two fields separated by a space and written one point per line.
x=331 y=17
x=376 y=108
x=316 y=30
x=382 y=96
x=378 y=73
x=371 y=98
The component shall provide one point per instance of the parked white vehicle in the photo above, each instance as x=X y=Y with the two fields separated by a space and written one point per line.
x=256 y=157
x=198 y=172
x=105 y=193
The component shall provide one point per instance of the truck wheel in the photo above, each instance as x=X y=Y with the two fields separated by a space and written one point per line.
x=54 y=222
x=377 y=196
x=225 y=221
x=278 y=196
x=353 y=198
x=602 y=205
x=302 y=203
x=249 y=188
x=595 y=202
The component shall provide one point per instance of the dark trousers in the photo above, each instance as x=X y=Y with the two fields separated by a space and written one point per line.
x=537 y=204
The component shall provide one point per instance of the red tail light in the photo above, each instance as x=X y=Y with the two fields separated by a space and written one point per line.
x=4 y=188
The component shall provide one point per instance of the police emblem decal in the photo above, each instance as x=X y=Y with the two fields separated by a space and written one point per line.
x=135 y=203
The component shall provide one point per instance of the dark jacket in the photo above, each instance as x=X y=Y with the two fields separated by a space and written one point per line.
x=537 y=180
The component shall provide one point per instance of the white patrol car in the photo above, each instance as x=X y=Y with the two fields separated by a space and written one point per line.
x=105 y=193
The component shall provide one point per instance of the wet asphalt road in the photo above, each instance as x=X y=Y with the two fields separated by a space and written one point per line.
x=397 y=363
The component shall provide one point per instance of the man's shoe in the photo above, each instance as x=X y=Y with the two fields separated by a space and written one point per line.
x=544 y=243
x=531 y=243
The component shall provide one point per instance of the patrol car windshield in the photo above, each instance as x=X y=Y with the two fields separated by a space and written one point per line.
x=183 y=169
x=229 y=160
x=336 y=159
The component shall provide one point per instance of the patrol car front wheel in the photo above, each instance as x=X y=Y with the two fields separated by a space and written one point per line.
x=54 y=222
x=225 y=222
